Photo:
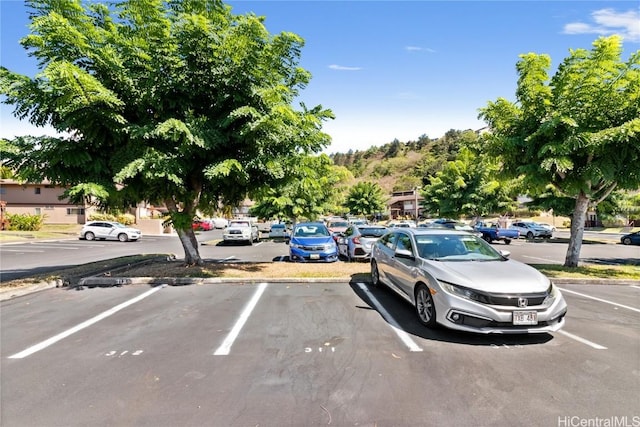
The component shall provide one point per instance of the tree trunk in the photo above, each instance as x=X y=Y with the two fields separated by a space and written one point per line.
x=187 y=238
x=190 y=246
x=577 y=230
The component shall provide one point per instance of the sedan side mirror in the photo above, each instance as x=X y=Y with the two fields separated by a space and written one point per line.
x=405 y=253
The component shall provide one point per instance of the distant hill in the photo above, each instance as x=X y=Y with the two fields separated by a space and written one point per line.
x=400 y=166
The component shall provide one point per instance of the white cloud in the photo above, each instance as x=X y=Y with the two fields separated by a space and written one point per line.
x=418 y=49
x=343 y=68
x=608 y=21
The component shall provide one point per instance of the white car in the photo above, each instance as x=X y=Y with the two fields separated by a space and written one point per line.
x=219 y=223
x=278 y=231
x=241 y=231
x=531 y=230
x=457 y=280
x=109 y=230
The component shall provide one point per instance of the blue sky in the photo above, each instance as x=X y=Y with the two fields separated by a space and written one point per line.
x=400 y=69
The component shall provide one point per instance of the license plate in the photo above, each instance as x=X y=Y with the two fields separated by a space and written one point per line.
x=525 y=317
x=314 y=256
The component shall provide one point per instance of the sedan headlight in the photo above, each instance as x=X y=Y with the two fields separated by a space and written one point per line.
x=466 y=293
x=329 y=246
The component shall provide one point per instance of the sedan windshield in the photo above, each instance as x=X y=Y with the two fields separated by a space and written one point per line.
x=373 y=231
x=311 y=231
x=451 y=247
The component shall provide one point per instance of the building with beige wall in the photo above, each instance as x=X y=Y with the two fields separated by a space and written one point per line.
x=41 y=199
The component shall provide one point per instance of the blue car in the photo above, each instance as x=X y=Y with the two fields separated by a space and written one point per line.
x=312 y=241
x=631 y=238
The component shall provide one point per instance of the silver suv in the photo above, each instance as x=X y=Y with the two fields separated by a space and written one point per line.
x=109 y=230
x=240 y=230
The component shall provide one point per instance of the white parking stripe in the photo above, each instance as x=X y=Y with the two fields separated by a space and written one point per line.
x=225 y=347
x=634 y=286
x=21 y=251
x=87 y=323
x=406 y=339
x=582 y=340
x=601 y=300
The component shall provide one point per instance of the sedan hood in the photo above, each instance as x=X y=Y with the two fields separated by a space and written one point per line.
x=312 y=241
x=490 y=276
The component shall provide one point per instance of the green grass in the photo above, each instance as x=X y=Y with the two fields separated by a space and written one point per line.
x=628 y=272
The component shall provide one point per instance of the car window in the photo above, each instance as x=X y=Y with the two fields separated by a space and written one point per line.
x=311 y=231
x=389 y=240
x=349 y=231
x=404 y=243
x=373 y=232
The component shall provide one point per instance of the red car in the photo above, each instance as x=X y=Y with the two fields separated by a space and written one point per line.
x=201 y=225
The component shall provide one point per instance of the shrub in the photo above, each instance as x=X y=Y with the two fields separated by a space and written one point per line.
x=25 y=222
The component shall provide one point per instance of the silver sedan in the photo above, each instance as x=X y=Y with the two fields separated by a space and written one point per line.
x=457 y=280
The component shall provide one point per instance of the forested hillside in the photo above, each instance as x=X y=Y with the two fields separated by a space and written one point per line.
x=398 y=166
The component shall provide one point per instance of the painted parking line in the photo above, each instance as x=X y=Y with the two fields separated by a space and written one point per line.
x=225 y=347
x=582 y=340
x=601 y=300
x=46 y=343
x=404 y=337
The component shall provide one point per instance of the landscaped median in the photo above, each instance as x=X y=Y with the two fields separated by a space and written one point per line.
x=166 y=269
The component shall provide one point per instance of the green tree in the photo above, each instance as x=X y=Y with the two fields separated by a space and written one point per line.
x=578 y=131
x=468 y=186
x=365 y=198
x=310 y=192
x=177 y=102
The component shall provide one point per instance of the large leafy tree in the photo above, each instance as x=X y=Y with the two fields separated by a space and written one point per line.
x=365 y=198
x=468 y=186
x=177 y=102
x=578 y=130
x=309 y=194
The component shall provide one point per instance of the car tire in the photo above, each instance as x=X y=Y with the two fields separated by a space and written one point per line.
x=425 y=307
x=507 y=241
x=487 y=238
x=375 y=274
x=89 y=236
x=123 y=237
x=626 y=241
x=530 y=235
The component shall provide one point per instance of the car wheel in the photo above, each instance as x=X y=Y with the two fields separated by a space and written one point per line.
x=89 y=235
x=123 y=237
x=507 y=241
x=530 y=235
x=425 y=308
x=626 y=241
x=375 y=274
x=487 y=238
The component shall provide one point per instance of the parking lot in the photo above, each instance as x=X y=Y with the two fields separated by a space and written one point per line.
x=276 y=354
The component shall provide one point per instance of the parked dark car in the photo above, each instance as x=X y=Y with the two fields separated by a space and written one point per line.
x=631 y=238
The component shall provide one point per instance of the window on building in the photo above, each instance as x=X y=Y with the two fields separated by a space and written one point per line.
x=38 y=211
x=75 y=211
x=37 y=190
